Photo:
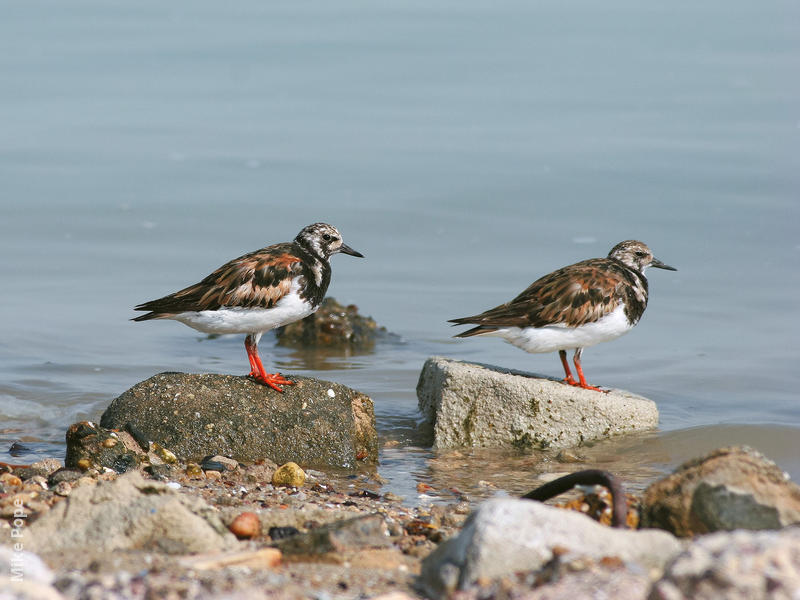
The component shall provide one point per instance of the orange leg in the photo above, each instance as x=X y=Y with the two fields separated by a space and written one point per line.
x=562 y=354
x=257 y=371
x=577 y=360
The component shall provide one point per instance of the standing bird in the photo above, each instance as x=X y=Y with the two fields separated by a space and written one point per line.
x=593 y=301
x=257 y=292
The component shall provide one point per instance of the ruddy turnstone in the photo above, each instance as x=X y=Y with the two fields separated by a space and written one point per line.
x=258 y=292
x=593 y=301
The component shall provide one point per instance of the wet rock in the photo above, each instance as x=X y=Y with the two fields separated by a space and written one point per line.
x=313 y=422
x=64 y=475
x=290 y=475
x=90 y=446
x=42 y=468
x=246 y=525
x=333 y=325
x=730 y=488
x=368 y=531
x=741 y=564
x=469 y=404
x=507 y=535
x=128 y=513
x=219 y=463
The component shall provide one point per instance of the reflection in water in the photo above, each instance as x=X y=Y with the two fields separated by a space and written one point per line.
x=637 y=460
x=330 y=358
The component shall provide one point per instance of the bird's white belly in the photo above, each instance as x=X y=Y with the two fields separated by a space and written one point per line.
x=560 y=337
x=234 y=319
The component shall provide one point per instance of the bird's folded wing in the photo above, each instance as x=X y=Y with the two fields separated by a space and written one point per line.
x=256 y=280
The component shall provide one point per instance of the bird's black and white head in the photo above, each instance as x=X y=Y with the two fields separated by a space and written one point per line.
x=323 y=241
x=637 y=256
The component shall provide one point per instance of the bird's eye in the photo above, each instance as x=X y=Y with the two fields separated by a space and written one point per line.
x=641 y=253
x=326 y=237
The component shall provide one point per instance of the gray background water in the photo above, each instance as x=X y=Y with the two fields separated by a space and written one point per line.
x=465 y=148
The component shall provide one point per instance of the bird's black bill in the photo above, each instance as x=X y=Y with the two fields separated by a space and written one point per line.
x=659 y=265
x=348 y=250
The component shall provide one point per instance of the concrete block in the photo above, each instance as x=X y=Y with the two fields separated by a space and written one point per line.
x=471 y=404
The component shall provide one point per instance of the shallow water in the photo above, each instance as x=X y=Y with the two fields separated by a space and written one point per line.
x=465 y=148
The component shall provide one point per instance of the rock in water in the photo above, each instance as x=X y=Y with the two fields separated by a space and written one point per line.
x=332 y=325
x=478 y=405
x=729 y=488
x=313 y=422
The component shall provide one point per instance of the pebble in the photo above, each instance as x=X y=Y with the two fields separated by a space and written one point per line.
x=245 y=526
x=569 y=456
x=62 y=488
x=163 y=453
x=10 y=480
x=64 y=474
x=228 y=464
x=38 y=481
x=194 y=471
x=290 y=475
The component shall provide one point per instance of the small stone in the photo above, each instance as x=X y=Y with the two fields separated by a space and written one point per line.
x=209 y=465
x=64 y=474
x=569 y=456
x=110 y=442
x=10 y=480
x=62 y=488
x=390 y=497
x=194 y=471
x=290 y=475
x=213 y=475
x=84 y=464
x=38 y=481
x=228 y=464
x=164 y=454
x=245 y=526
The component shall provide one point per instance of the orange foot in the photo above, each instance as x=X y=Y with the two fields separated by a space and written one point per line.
x=273 y=380
x=583 y=385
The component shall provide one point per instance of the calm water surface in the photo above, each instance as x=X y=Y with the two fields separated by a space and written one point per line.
x=465 y=148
